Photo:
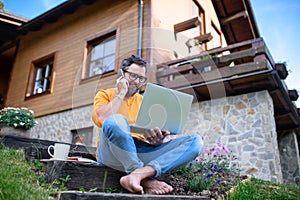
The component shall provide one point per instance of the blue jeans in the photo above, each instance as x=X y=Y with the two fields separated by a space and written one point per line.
x=119 y=150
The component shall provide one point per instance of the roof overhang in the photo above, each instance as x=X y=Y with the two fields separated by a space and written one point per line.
x=237 y=20
x=9 y=25
x=52 y=16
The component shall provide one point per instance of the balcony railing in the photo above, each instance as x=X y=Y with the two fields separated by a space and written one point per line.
x=231 y=61
x=240 y=68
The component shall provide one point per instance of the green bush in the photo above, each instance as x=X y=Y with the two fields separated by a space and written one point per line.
x=17 y=117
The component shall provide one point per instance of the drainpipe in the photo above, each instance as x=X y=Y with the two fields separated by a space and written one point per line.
x=140 y=28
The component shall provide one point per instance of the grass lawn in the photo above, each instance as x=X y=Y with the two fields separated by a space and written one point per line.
x=18 y=180
x=22 y=180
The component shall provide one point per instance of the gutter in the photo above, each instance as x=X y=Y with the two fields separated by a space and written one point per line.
x=140 y=28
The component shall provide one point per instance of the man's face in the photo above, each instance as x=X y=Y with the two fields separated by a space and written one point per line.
x=138 y=73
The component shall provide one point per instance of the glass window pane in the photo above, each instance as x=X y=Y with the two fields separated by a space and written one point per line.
x=97 y=52
x=96 y=67
x=39 y=73
x=38 y=87
x=109 y=63
x=110 y=47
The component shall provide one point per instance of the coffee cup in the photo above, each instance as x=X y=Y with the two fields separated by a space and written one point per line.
x=61 y=151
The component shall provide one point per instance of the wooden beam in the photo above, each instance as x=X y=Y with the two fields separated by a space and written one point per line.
x=281 y=69
x=188 y=24
x=238 y=15
x=293 y=94
x=204 y=38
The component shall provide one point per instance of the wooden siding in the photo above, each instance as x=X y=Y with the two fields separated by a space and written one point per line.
x=67 y=38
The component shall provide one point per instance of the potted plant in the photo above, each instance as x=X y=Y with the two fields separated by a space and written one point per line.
x=16 y=121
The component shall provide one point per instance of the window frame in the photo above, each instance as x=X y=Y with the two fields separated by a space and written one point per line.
x=202 y=27
x=214 y=28
x=87 y=133
x=88 y=47
x=50 y=58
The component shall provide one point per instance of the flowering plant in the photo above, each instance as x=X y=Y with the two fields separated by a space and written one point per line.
x=17 y=117
x=213 y=169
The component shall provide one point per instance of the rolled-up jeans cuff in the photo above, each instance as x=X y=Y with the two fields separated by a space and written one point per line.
x=156 y=167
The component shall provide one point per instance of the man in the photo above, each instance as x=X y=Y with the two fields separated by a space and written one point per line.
x=141 y=156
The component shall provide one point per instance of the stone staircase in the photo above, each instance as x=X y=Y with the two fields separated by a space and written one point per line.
x=84 y=175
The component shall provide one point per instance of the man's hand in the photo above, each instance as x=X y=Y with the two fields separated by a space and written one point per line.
x=155 y=136
x=122 y=85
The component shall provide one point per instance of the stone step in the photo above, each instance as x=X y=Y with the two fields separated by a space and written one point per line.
x=38 y=149
x=71 y=195
x=83 y=175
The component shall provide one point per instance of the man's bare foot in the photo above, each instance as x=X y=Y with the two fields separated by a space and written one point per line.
x=153 y=186
x=132 y=183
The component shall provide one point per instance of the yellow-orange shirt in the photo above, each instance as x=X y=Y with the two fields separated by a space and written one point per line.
x=129 y=108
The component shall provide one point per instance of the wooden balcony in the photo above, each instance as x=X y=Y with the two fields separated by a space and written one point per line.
x=236 y=69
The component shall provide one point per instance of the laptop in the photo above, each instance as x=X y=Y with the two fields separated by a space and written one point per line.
x=164 y=108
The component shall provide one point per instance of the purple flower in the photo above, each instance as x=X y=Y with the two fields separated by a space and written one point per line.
x=225 y=150
x=207 y=151
x=218 y=148
x=204 y=137
x=221 y=169
x=197 y=159
x=216 y=154
x=214 y=167
x=209 y=175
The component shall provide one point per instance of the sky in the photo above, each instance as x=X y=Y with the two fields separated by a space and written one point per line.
x=277 y=20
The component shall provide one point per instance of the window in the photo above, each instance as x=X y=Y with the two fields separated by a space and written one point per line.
x=83 y=136
x=101 y=55
x=41 y=76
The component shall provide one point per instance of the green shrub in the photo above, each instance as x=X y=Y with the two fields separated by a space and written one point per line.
x=17 y=117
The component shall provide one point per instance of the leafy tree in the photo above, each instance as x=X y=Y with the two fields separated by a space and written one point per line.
x=1 y=5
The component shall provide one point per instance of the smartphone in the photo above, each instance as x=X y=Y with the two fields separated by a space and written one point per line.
x=122 y=76
x=122 y=73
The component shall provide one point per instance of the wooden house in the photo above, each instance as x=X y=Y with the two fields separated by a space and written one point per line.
x=55 y=63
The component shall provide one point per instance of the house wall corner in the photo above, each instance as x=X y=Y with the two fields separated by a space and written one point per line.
x=246 y=124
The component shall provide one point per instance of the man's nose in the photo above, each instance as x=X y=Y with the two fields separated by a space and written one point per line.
x=137 y=81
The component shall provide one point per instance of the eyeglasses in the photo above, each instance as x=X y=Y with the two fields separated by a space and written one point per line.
x=133 y=76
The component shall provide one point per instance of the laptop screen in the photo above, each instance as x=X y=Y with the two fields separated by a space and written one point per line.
x=164 y=108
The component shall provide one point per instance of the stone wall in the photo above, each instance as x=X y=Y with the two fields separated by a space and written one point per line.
x=58 y=127
x=289 y=157
x=246 y=125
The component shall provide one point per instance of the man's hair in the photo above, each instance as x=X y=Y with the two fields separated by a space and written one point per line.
x=133 y=59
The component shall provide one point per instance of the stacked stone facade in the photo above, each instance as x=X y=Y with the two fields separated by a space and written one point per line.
x=246 y=125
x=289 y=157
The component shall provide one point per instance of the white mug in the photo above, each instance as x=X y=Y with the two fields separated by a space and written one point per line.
x=61 y=151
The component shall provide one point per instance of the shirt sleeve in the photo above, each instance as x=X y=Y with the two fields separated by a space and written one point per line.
x=102 y=97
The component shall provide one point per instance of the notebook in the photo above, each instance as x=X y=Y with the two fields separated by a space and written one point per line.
x=164 y=108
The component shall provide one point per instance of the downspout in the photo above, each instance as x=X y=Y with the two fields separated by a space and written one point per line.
x=140 y=28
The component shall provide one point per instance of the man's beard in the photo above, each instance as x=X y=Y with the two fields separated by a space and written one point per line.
x=132 y=90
